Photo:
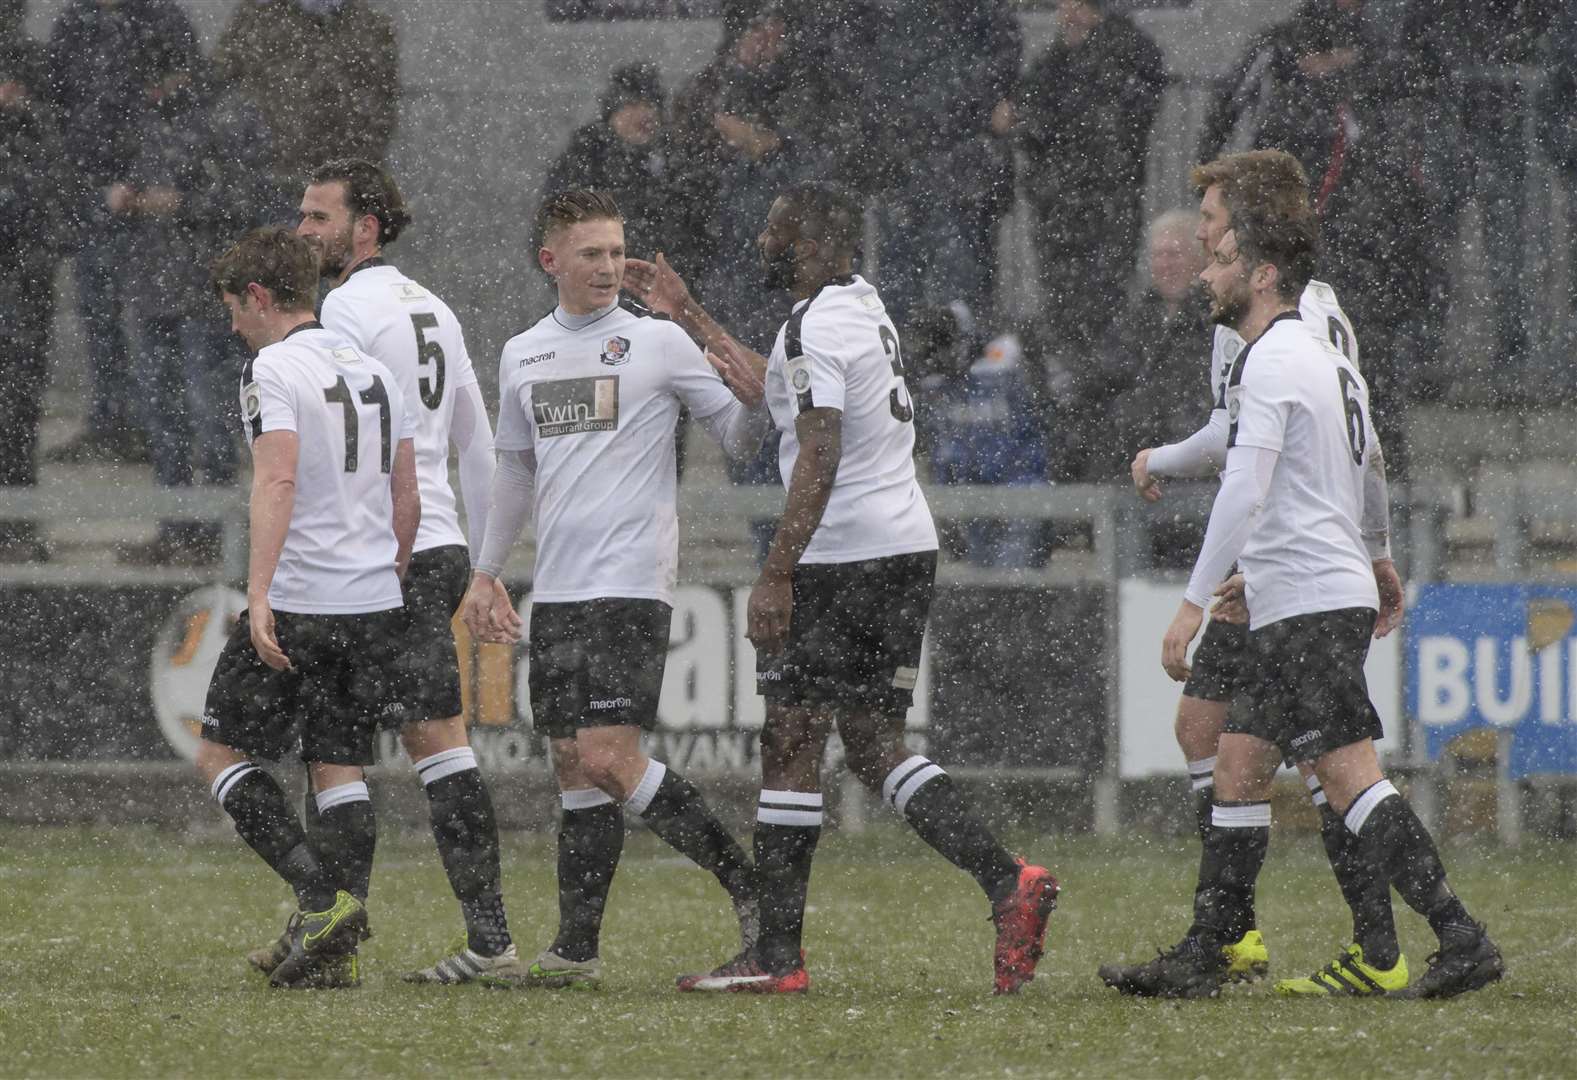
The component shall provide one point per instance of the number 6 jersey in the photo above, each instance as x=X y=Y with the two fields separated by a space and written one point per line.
x=348 y=416
x=838 y=350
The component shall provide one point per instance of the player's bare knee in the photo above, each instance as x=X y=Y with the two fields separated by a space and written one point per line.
x=214 y=758
x=424 y=738
x=1198 y=727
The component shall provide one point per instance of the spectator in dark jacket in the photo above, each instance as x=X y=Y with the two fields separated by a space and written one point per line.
x=31 y=180
x=931 y=73
x=1082 y=114
x=102 y=55
x=1155 y=357
x=626 y=153
x=325 y=75
x=737 y=147
x=198 y=180
x=1557 y=132
x=1469 y=63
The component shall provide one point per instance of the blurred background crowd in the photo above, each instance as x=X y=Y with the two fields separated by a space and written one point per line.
x=131 y=157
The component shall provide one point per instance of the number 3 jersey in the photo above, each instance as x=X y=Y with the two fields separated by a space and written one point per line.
x=348 y=416
x=596 y=399
x=1294 y=392
x=387 y=315
x=838 y=350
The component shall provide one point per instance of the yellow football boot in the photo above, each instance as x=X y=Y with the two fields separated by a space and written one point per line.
x=1248 y=959
x=1349 y=975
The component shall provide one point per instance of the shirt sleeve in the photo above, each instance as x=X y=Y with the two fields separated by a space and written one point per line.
x=514 y=424
x=1257 y=402
x=268 y=402
x=700 y=388
x=813 y=363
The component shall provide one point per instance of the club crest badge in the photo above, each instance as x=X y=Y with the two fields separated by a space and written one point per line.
x=251 y=401
x=616 y=351
x=801 y=379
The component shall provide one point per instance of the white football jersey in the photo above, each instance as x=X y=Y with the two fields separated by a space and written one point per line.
x=1294 y=392
x=348 y=416
x=839 y=350
x=597 y=401
x=1321 y=314
x=414 y=334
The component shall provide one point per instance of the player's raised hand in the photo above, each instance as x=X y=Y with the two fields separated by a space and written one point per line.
x=768 y=614
x=657 y=285
x=1180 y=635
x=1146 y=485
x=260 y=621
x=1232 y=605
x=1389 y=583
x=743 y=371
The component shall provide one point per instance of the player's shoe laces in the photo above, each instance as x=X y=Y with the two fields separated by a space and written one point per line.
x=1465 y=961
x=465 y=965
x=1247 y=958
x=319 y=934
x=550 y=971
x=1187 y=970
x=266 y=958
x=1348 y=974
x=1020 y=919
x=745 y=974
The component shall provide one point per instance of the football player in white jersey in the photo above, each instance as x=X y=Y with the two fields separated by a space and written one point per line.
x=838 y=614
x=1303 y=508
x=351 y=210
x=588 y=401
x=1227 y=185
x=334 y=511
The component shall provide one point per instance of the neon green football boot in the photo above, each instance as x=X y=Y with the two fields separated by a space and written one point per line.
x=1348 y=975
x=1247 y=960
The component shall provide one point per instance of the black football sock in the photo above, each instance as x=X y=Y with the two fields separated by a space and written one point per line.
x=345 y=835
x=467 y=837
x=788 y=827
x=591 y=839
x=926 y=797
x=674 y=810
x=1235 y=851
x=1366 y=890
x=262 y=818
x=1399 y=845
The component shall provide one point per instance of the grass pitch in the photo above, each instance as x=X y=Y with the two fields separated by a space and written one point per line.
x=123 y=957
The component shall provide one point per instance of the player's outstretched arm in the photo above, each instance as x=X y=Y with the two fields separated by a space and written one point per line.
x=659 y=287
x=820 y=434
x=274 y=455
x=1202 y=454
x=407 y=503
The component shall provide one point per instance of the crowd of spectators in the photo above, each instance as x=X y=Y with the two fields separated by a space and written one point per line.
x=135 y=158
x=130 y=155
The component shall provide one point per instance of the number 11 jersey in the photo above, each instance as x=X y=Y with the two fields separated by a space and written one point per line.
x=346 y=411
x=839 y=350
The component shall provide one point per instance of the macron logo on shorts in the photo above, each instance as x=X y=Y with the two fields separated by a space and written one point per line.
x=612 y=703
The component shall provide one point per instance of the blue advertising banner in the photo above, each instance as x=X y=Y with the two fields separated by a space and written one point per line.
x=1496 y=656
